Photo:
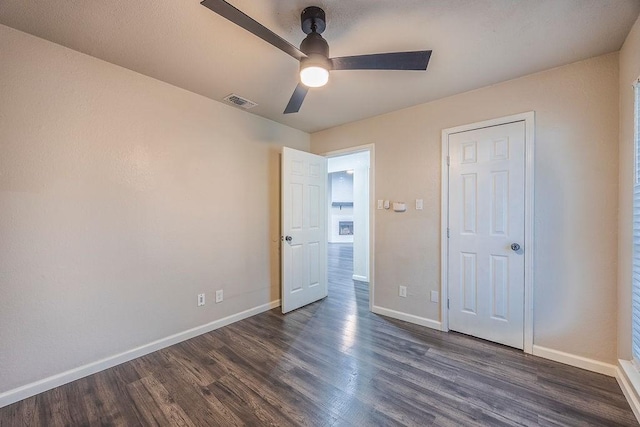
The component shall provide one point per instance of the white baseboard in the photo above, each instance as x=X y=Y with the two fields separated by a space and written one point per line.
x=422 y=321
x=628 y=378
x=574 y=360
x=28 y=390
x=360 y=278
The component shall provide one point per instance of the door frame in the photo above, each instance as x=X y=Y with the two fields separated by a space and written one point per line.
x=529 y=122
x=372 y=161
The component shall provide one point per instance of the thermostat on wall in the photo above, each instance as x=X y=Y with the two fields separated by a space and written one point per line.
x=399 y=207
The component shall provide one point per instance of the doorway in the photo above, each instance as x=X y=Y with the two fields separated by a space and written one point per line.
x=487 y=241
x=348 y=220
x=307 y=209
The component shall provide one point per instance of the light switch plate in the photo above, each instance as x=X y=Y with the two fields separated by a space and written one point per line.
x=435 y=297
x=419 y=204
x=380 y=204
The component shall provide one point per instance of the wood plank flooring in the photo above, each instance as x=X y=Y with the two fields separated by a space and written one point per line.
x=331 y=363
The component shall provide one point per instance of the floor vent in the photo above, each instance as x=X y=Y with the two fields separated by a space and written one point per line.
x=239 y=101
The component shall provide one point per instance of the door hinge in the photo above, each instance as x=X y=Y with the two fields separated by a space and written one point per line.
x=448 y=233
x=447 y=303
x=448 y=160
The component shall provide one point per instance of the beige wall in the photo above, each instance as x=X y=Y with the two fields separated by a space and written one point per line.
x=121 y=199
x=576 y=186
x=629 y=71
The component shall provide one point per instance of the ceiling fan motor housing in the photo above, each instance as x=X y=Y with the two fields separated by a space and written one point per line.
x=314 y=43
x=317 y=51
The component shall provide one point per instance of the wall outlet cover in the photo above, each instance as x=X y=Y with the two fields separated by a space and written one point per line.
x=219 y=296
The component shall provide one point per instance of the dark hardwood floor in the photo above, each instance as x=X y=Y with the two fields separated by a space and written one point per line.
x=331 y=363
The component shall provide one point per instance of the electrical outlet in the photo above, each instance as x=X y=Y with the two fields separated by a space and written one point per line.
x=219 y=296
x=435 y=296
x=200 y=300
x=402 y=291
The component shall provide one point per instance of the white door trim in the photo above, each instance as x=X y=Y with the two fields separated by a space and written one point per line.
x=529 y=120
x=372 y=161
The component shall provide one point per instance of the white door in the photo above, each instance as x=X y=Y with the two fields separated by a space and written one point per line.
x=304 y=247
x=486 y=229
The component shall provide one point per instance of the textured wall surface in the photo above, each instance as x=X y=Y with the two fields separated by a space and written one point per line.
x=121 y=199
x=629 y=71
x=576 y=191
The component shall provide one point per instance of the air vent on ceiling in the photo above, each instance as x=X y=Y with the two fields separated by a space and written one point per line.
x=239 y=101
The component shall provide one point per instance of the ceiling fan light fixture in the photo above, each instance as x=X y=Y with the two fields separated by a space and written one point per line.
x=314 y=76
x=314 y=70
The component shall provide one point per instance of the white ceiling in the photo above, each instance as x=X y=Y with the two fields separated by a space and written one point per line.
x=475 y=43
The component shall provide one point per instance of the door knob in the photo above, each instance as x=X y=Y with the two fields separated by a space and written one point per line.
x=288 y=239
x=515 y=247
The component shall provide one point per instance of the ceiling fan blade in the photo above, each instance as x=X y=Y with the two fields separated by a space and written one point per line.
x=239 y=18
x=296 y=99
x=417 y=60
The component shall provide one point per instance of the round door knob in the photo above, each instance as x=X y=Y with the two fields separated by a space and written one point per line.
x=515 y=247
x=288 y=239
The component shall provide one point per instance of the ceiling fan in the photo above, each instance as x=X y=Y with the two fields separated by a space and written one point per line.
x=313 y=54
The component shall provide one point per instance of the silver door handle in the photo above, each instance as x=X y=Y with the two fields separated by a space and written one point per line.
x=515 y=247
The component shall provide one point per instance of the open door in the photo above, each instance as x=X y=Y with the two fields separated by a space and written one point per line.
x=304 y=247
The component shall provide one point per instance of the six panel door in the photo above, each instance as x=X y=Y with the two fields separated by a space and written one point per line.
x=304 y=246
x=486 y=229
